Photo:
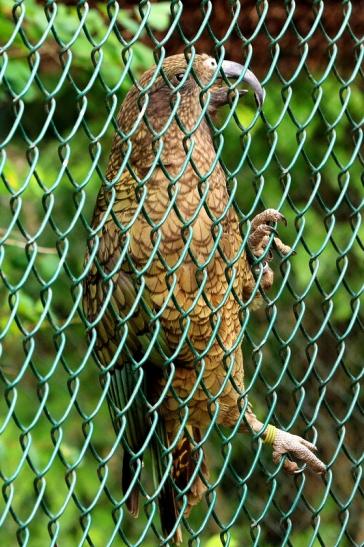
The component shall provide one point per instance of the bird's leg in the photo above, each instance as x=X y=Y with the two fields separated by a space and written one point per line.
x=285 y=443
x=282 y=441
x=260 y=234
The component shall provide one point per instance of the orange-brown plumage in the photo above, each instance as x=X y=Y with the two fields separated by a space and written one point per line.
x=180 y=235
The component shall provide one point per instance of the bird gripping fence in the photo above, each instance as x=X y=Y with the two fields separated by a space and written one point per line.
x=64 y=69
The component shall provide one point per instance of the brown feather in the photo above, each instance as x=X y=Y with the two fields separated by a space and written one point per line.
x=167 y=205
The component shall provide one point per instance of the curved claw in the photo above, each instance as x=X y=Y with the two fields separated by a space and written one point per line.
x=286 y=443
x=261 y=229
x=269 y=215
x=284 y=220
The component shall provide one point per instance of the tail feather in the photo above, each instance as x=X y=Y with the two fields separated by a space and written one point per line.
x=188 y=471
x=169 y=513
x=167 y=502
x=185 y=463
x=132 y=501
x=123 y=395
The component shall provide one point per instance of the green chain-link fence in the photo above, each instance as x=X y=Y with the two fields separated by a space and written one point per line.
x=64 y=70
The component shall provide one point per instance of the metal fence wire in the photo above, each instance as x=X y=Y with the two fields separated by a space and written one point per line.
x=122 y=372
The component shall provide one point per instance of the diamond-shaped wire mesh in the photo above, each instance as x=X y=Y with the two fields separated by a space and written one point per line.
x=64 y=70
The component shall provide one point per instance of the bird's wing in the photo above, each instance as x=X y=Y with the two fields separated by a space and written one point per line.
x=131 y=345
x=128 y=344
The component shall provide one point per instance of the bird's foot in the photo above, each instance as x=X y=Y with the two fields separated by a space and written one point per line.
x=260 y=235
x=261 y=229
x=292 y=445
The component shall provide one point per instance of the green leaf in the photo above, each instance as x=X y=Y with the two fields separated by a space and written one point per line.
x=143 y=57
x=128 y=22
x=159 y=16
x=18 y=74
x=215 y=541
x=29 y=309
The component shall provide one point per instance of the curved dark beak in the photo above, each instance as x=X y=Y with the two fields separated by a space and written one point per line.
x=235 y=70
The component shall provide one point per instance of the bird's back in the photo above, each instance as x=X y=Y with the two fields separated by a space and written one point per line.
x=185 y=240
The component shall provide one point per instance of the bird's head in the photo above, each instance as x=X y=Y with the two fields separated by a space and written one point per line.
x=169 y=102
x=179 y=84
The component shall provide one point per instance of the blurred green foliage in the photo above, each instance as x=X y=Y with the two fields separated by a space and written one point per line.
x=50 y=179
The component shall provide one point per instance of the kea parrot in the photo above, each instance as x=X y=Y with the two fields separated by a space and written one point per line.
x=169 y=279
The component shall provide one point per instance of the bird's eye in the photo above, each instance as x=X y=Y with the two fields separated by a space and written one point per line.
x=179 y=77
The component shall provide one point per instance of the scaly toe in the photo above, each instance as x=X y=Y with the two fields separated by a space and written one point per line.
x=257 y=236
x=282 y=247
